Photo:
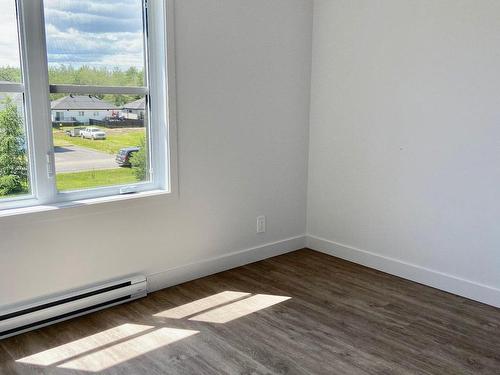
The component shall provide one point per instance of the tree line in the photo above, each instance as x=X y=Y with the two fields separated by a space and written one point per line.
x=86 y=75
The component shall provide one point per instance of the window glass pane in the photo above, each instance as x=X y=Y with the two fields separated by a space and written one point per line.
x=95 y=42
x=14 y=179
x=9 y=44
x=99 y=143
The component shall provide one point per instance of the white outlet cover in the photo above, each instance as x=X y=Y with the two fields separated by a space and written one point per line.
x=261 y=224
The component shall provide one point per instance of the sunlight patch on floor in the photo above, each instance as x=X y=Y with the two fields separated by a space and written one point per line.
x=120 y=344
x=86 y=344
x=203 y=304
x=127 y=350
x=239 y=308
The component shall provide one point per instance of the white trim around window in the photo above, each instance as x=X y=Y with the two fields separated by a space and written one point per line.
x=160 y=110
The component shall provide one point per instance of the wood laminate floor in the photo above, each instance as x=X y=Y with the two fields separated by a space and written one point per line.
x=299 y=313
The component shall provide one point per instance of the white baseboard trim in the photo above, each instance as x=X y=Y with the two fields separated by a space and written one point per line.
x=205 y=267
x=440 y=280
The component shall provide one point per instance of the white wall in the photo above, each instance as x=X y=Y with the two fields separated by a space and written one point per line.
x=404 y=158
x=243 y=76
x=404 y=161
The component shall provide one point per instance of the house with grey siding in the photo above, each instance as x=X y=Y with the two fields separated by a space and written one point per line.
x=81 y=109
x=134 y=110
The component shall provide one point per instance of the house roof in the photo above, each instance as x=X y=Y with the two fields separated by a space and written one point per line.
x=81 y=102
x=137 y=104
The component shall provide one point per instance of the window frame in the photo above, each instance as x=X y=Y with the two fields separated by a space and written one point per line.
x=159 y=112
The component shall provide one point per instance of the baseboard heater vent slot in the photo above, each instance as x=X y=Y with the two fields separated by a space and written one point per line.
x=21 y=318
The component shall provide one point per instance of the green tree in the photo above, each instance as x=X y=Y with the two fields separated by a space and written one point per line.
x=139 y=161
x=13 y=160
x=10 y=74
x=86 y=75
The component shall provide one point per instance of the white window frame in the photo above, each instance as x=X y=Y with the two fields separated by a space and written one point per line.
x=160 y=110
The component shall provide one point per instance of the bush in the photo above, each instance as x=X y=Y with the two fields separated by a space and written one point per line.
x=139 y=161
x=10 y=185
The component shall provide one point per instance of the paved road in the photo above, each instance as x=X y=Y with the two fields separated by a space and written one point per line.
x=75 y=159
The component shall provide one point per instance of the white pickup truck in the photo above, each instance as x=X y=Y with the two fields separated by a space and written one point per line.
x=93 y=133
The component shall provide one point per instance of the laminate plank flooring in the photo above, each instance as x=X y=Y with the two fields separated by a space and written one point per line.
x=299 y=313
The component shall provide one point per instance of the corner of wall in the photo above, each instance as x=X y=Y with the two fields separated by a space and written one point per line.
x=436 y=279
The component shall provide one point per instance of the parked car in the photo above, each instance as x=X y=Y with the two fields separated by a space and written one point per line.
x=92 y=133
x=124 y=155
x=74 y=132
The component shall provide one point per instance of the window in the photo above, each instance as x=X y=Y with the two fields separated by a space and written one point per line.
x=99 y=89
x=15 y=181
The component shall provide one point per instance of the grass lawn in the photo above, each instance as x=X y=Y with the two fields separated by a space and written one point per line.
x=97 y=178
x=115 y=140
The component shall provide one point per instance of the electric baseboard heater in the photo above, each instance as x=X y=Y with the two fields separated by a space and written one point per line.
x=21 y=318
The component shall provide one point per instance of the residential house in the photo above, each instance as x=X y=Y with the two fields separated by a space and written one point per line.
x=81 y=109
x=134 y=110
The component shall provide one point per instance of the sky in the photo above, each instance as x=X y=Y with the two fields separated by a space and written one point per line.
x=100 y=33
x=9 y=55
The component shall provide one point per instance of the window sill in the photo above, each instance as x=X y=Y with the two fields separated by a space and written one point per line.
x=80 y=203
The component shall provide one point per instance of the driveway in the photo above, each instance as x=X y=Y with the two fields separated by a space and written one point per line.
x=77 y=159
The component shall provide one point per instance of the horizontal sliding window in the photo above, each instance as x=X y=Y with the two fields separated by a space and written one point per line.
x=92 y=119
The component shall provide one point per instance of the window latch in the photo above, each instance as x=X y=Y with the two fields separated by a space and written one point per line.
x=50 y=164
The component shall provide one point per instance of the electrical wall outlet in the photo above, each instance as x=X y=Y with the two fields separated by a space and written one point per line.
x=261 y=224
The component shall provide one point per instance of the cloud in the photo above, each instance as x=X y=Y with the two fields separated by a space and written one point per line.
x=8 y=35
x=104 y=33
x=96 y=23
x=97 y=33
x=114 y=8
x=110 y=49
